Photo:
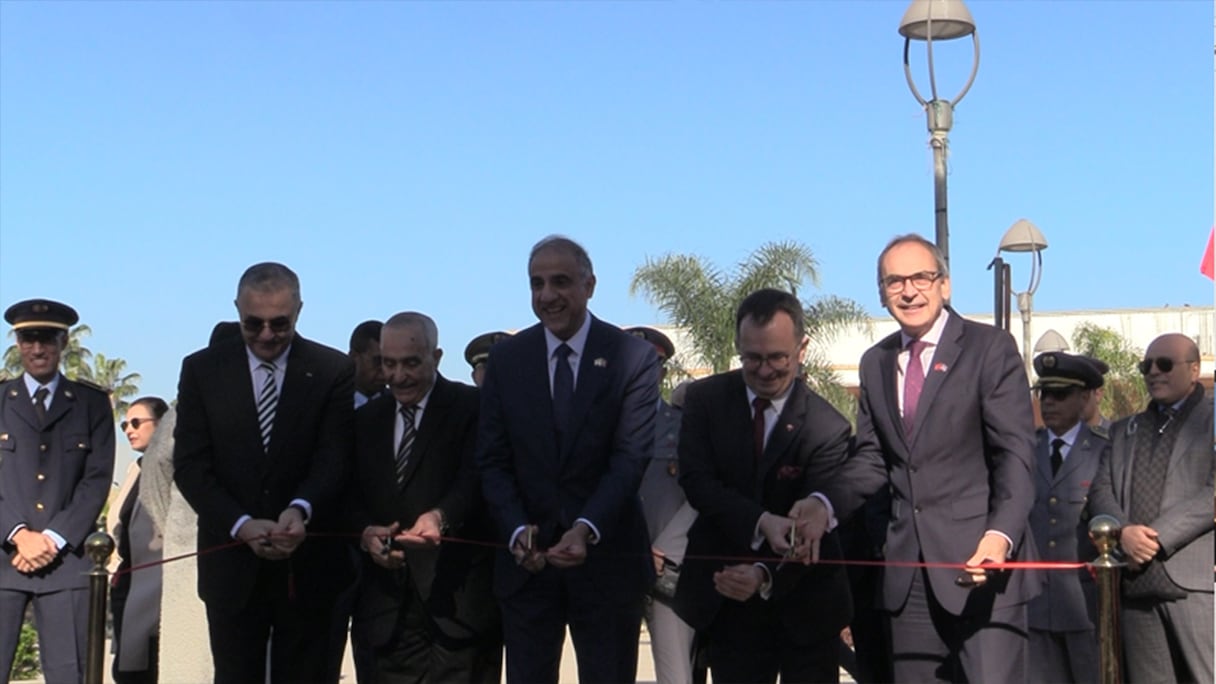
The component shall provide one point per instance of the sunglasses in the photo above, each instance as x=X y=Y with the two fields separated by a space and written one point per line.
x=1057 y=393
x=135 y=423
x=44 y=336
x=1164 y=364
x=253 y=325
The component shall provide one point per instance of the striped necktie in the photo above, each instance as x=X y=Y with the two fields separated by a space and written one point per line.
x=407 y=442
x=268 y=401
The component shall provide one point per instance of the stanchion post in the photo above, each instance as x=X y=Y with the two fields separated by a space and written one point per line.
x=99 y=546
x=1104 y=532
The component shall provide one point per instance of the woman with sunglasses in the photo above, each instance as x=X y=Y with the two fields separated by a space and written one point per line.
x=135 y=598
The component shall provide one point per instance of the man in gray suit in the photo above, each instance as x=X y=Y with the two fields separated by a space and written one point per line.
x=1063 y=643
x=668 y=517
x=1157 y=481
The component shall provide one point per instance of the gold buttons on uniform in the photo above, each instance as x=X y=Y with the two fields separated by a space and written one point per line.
x=1051 y=544
x=39 y=506
x=42 y=447
x=1052 y=501
x=41 y=477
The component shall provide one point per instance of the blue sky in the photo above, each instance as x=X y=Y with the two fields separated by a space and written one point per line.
x=406 y=155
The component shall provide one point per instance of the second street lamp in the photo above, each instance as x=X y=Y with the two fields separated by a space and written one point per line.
x=1024 y=236
x=939 y=20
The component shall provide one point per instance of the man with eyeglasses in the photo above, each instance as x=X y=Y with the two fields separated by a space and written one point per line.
x=946 y=422
x=264 y=430
x=753 y=442
x=56 y=460
x=1158 y=481
x=1063 y=642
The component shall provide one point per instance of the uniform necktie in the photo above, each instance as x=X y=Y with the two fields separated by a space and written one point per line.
x=268 y=401
x=407 y=441
x=760 y=406
x=914 y=382
x=1057 y=455
x=40 y=396
x=563 y=387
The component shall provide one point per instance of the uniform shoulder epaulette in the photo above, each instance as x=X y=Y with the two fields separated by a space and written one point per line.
x=1100 y=431
x=92 y=385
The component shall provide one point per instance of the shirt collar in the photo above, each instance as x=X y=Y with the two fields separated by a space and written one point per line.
x=778 y=402
x=1069 y=437
x=421 y=405
x=279 y=362
x=32 y=385
x=933 y=336
x=576 y=342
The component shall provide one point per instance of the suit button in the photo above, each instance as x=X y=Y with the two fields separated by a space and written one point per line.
x=916 y=509
x=1052 y=521
x=912 y=468
x=41 y=477
x=38 y=506
x=1051 y=544
x=42 y=447
x=1052 y=501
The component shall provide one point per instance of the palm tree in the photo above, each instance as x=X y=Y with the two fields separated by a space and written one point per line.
x=1124 y=392
x=74 y=360
x=111 y=375
x=701 y=298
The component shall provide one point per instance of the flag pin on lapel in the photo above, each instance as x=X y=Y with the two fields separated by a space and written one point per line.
x=789 y=427
x=601 y=362
x=940 y=367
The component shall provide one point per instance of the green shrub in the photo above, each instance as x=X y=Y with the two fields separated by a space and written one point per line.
x=25 y=664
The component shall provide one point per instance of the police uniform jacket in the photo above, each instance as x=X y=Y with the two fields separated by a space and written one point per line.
x=1060 y=524
x=54 y=476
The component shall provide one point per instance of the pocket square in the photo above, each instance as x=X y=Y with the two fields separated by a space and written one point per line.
x=789 y=472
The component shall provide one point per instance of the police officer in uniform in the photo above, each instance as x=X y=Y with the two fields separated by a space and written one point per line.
x=478 y=352
x=1063 y=641
x=56 y=462
x=668 y=518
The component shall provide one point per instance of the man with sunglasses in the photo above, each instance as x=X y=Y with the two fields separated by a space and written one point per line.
x=56 y=461
x=264 y=429
x=1063 y=643
x=946 y=422
x=1158 y=482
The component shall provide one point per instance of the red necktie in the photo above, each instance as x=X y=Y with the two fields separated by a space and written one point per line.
x=760 y=406
x=914 y=382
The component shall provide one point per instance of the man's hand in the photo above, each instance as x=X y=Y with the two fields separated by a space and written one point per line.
x=776 y=531
x=256 y=532
x=524 y=550
x=657 y=556
x=34 y=549
x=993 y=548
x=739 y=582
x=374 y=540
x=1140 y=543
x=811 y=521
x=289 y=533
x=426 y=531
x=571 y=549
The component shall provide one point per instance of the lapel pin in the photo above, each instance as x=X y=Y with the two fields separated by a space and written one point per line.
x=601 y=362
x=308 y=374
x=67 y=393
x=12 y=393
x=789 y=427
x=940 y=367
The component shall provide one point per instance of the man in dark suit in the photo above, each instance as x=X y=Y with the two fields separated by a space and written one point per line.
x=1063 y=641
x=264 y=431
x=365 y=353
x=753 y=442
x=945 y=420
x=56 y=460
x=566 y=428
x=1157 y=481
x=425 y=608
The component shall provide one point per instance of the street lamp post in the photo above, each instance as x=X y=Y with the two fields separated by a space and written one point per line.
x=939 y=20
x=1024 y=236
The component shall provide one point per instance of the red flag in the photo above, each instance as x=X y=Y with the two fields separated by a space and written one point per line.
x=1208 y=267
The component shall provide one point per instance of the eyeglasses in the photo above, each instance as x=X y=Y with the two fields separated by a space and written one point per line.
x=136 y=422
x=894 y=284
x=778 y=361
x=1164 y=364
x=45 y=336
x=253 y=325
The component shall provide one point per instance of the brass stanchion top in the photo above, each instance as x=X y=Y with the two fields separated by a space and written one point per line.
x=1104 y=532
x=99 y=546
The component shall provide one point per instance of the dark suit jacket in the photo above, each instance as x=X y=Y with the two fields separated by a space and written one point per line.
x=966 y=468
x=528 y=479
x=1060 y=524
x=55 y=476
x=224 y=473
x=1184 y=524
x=730 y=490
x=453 y=580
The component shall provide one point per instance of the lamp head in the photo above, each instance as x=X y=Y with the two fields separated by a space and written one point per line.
x=1023 y=236
x=951 y=19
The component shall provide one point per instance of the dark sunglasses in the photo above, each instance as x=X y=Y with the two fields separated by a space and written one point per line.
x=43 y=335
x=1057 y=393
x=136 y=422
x=1164 y=364
x=253 y=325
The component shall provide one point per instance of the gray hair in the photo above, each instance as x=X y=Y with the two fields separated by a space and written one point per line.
x=269 y=276
x=561 y=243
x=410 y=319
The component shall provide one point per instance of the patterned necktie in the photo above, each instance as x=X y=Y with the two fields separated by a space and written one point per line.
x=268 y=401
x=407 y=442
x=1057 y=455
x=914 y=382
x=40 y=396
x=563 y=387
x=759 y=406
